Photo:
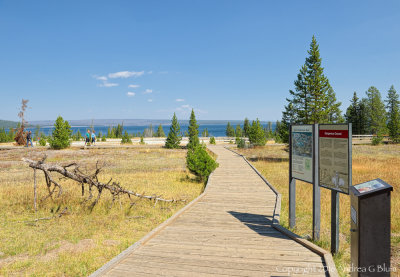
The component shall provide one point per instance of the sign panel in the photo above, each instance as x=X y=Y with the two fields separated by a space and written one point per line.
x=302 y=152
x=334 y=157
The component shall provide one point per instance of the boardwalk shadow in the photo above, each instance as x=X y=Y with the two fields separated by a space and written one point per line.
x=261 y=224
x=268 y=159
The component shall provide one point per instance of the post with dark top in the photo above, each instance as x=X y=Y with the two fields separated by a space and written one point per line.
x=370 y=214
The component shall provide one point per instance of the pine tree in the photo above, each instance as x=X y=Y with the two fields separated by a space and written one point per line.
x=393 y=114
x=205 y=133
x=313 y=100
x=126 y=139
x=238 y=131
x=193 y=131
x=352 y=114
x=257 y=135
x=160 y=132
x=230 y=132
x=246 y=127
x=363 y=114
x=174 y=136
x=61 y=134
x=288 y=117
x=377 y=113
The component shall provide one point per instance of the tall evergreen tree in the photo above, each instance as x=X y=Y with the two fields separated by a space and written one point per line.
x=193 y=132
x=393 y=114
x=313 y=100
x=238 y=131
x=246 y=127
x=352 y=114
x=160 y=132
x=363 y=114
x=257 y=135
x=174 y=136
x=377 y=113
x=230 y=132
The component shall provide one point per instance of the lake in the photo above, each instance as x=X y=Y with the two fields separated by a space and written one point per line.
x=216 y=130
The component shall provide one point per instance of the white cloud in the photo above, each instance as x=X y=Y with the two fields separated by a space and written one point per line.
x=186 y=109
x=108 y=85
x=133 y=86
x=148 y=91
x=149 y=100
x=179 y=100
x=101 y=78
x=150 y=72
x=130 y=93
x=125 y=74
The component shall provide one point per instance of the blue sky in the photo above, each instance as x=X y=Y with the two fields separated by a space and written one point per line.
x=225 y=59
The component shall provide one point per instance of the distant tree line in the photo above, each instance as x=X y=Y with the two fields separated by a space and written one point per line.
x=255 y=132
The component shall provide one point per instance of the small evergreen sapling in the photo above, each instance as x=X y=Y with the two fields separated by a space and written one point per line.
x=212 y=140
x=193 y=131
x=126 y=139
x=200 y=162
x=61 y=134
x=160 y=132
x=174 y=137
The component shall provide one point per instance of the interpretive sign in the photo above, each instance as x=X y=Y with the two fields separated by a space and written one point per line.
x=302 y=152
x=335 y=157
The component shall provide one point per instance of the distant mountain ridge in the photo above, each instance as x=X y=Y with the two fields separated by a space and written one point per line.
x=8 y=124
x=133 y=122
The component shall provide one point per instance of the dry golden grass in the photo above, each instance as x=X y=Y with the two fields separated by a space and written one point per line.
x=81 y=241
x=369 y=162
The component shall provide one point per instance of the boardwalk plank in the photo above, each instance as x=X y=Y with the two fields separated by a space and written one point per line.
x=227 y=232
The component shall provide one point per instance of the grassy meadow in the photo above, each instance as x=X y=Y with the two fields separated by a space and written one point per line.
x=369 y=162
x=81 y=241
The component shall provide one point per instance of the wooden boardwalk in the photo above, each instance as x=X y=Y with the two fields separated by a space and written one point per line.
x=226 y=232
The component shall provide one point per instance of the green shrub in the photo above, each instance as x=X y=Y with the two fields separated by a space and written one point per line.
x=42 y=141
x=142 y=140
x=200 y=162
x=126 y=139
x=61 y=134
x=212 y=140
x=240 y=143
x=103 y=138
x=377 y=140
x=256 y=134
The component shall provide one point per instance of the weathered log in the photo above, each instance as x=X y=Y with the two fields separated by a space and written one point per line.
x=73 y=172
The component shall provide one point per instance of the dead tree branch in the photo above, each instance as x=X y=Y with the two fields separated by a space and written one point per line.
x=73 y=172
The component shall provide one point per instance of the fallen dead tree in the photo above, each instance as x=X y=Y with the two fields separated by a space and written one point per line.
x=89 y=181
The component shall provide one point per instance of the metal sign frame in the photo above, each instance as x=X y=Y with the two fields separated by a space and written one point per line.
x=313 y=152
x=349 y=156
x=316 y=210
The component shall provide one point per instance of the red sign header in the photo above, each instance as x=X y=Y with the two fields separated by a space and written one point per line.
x=333 y=133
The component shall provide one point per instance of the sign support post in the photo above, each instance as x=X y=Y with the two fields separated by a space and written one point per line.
x=334 y=221
x=316 y=188
x=335 y=169
x=292 y=188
